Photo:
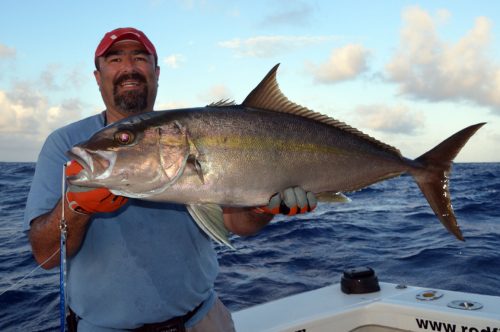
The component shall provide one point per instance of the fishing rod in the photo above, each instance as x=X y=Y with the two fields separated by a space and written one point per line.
x=63 y=226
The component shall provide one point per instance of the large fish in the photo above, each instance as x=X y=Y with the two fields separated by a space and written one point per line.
x=240 y=155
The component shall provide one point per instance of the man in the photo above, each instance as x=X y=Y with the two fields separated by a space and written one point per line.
x=132 y=264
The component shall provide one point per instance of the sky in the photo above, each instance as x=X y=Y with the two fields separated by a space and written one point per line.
x=408 y=73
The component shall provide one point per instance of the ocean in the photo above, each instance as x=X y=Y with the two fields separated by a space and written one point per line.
x=388 y=226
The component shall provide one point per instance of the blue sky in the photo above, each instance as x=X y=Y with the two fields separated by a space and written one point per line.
x=408 y=73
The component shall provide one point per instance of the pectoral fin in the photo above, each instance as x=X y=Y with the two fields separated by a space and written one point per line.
x=194 y=163
x=210 y=219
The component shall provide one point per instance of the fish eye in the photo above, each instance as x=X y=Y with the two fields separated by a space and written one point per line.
x=124 y=137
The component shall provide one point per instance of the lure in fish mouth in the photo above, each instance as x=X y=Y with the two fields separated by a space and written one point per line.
x=97 y=166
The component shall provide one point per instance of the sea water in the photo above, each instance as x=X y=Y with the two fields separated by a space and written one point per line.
x=388 y=226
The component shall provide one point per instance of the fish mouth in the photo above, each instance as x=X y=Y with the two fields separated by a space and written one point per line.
x=97 y=166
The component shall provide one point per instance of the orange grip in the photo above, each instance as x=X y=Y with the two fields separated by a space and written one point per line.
x=95 y=201
x=91 y=200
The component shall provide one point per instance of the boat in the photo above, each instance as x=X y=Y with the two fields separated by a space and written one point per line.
x=359 y=303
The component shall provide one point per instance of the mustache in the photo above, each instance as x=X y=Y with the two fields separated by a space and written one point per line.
x=130 y=76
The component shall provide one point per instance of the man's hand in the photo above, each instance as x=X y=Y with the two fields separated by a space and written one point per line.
x=90 y=200
x=290 y=201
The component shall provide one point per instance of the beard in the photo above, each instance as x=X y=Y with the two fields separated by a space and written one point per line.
x=132 y=102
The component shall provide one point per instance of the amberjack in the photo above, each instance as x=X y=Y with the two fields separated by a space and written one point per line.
x=225 y=154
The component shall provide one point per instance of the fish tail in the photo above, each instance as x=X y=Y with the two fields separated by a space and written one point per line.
x=433 y=178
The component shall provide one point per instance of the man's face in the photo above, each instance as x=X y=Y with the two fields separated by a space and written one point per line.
x=128 y=79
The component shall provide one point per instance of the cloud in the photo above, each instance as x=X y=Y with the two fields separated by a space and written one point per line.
x=68 y=111
x=57 y=78
x=343 y=64
x=294 y=13
x=396 y=119
x=76 y=78
x=27 y=112
x=270 y=46
x=427 y=67
x=215 y=94
x=7 y=58
x=23 y=94
x=7 y=52
x=174 y=60
x=27 y=117
x=48 y=77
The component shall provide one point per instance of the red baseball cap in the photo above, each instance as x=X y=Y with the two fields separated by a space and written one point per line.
x=124 y=34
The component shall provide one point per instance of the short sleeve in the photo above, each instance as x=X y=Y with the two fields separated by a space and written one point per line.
x=46 y=185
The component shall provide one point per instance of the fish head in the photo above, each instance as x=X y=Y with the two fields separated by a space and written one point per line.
x=134 y=157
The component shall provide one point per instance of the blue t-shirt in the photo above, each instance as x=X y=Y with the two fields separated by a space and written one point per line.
x=144 y=263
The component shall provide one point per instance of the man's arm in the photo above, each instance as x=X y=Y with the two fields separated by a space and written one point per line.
x=245 y=221
x=82 y=202
x=45 y=235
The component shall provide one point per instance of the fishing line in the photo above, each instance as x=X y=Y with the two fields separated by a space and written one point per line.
x=14 y=285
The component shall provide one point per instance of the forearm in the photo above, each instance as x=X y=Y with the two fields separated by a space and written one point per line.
x=45 y=234
x=244 y=221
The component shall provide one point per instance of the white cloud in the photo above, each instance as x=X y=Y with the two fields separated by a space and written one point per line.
x=174 y=60
x=395 y=119
x=26 y=118
x=28 y=115
x=269 y=46
x=427 y=67
x=343 y=64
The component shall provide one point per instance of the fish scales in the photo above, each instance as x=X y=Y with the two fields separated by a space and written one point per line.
x=264 y=152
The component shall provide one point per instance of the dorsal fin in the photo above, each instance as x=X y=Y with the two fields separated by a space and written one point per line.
x=222 y=103
x=268 y=96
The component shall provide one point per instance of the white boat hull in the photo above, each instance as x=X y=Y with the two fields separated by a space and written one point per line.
x=391 y=309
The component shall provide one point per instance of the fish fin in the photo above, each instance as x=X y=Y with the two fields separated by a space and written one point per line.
x=433 y=179
x=332 y=197
x=268 y=96
x=194 y=163
x=222 y=103
x=210 y=219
